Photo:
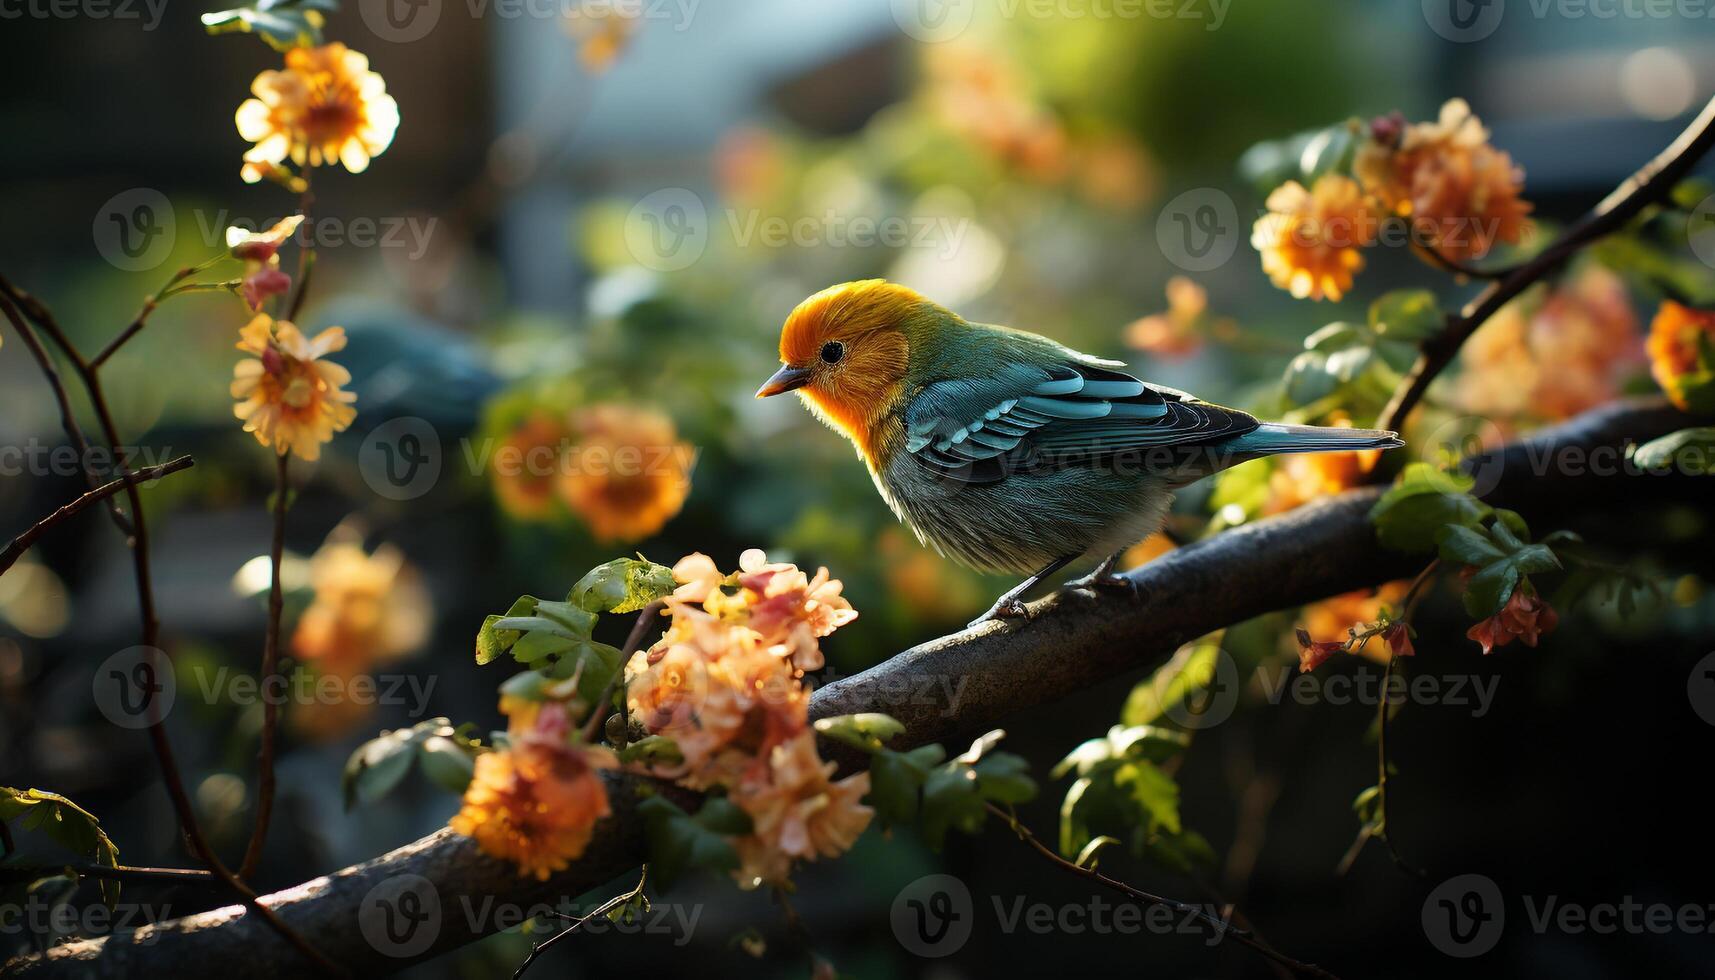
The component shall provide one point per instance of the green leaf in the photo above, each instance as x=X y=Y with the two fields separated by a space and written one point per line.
x=1467 y=546
x=1189 y=670
x=622 y=585
x=679 y=843
x=1182 y=853
x=1302 y=157
x=377 y=766
x=1407 y=315
x=447 y=764
x=1155 y=793
x=282 y=25
x=1147 y=742
x=951 y=801
x=1488 y=590
x=1003 y=777
x=1410 y=515
x=1087 y=856
x=491 y=641
x=867 y=731
x=896 y=781
x=66 y=824
x=652 y=750
x=1689 y=451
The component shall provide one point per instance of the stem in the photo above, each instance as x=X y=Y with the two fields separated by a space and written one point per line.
x=1222 y=929
x=151 y=626
x=1381 y=772
x=23 y=542
x=633 y=643
x=270 y=667
x=306 y=256
x=149 y=306
x=577 y=923
x=1651 y=183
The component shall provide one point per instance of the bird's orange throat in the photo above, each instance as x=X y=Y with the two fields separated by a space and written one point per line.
x=859 y=412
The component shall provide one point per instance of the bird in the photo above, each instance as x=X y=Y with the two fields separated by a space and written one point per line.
x=1007 y=451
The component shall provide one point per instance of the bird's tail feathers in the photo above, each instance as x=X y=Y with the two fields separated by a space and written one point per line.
x=1277 y=437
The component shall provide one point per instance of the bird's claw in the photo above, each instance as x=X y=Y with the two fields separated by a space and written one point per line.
x=1004 y=609
x=1108 y=581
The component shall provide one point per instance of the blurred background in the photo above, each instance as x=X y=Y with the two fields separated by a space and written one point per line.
x=591 y=225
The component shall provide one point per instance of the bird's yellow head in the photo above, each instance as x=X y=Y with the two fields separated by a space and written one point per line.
x=846 y=351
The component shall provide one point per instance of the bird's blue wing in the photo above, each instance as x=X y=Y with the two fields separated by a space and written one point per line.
x=1024 y=417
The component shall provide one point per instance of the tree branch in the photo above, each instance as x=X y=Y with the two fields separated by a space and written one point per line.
x=1074 y=640
x=1652 y=183
x=23 y=542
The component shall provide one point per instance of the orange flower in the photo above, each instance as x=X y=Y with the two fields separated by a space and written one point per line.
x=985 y=100
x=367 y=607
x=535 y=804
x=1556 y=357
x=1297 y=480
x=287 y=395
x=1524 y=617
x=630 y=474
x=797 y=812
x=1682 y=355
x=325 y=106
x=526 y=468
x=1310 y=239
x=1178 y=331
x=1461 y=193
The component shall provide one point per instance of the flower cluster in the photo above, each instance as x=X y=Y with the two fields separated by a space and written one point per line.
x=288 y=397
x=1178 y=331
x=1456 y=195
x=1682 y=355
x=1461 y=194
x=536 y=802
x=621 y=469
x=325 y=106
x=725 y=685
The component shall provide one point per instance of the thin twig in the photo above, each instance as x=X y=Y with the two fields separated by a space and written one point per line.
x=634 y=642
x=265 y=786
x=1429 y=253
x=1382 y=773
x=149 y=306
x=1651 y=183
x=538 y=949
x=1222 y=929
x=68 y=419
x=23 y=542
x=176 y=876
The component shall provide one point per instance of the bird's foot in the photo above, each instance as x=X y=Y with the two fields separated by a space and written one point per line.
x=1107 y=581
x=1006 y=608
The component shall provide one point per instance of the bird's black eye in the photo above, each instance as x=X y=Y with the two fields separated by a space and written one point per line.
x=832 y=351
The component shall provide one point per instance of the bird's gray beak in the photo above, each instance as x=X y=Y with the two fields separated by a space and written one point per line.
x=786 y=379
